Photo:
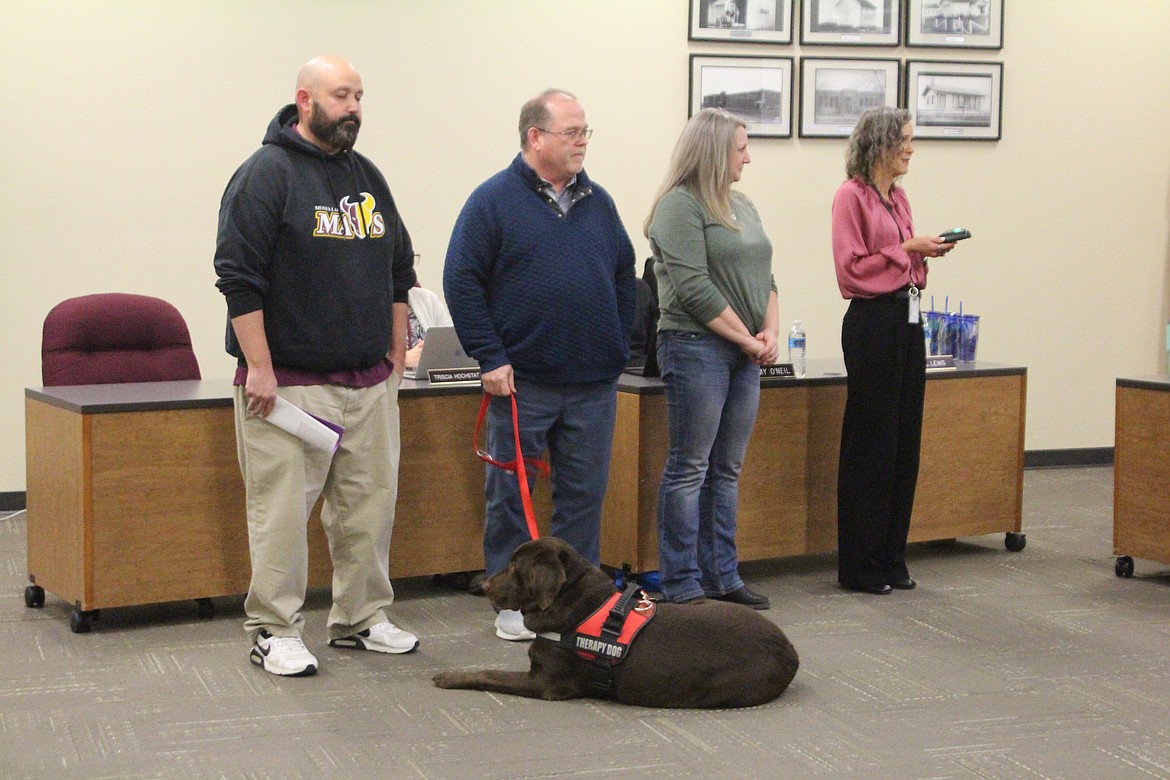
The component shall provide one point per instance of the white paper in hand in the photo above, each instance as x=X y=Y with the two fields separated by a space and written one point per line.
x=309 y=429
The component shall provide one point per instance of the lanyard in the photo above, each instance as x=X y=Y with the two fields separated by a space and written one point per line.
x=901 y=237
x=890 y=209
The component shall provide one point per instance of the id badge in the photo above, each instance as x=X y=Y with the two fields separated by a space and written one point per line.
x=915 y=309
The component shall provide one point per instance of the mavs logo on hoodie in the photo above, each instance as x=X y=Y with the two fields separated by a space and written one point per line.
x=354 y=220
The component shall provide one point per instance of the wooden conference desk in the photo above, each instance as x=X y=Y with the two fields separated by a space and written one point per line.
x=134 y=494
x=1141 y=472
x=970 y=480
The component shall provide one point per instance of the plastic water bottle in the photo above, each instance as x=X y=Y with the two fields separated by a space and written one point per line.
x=796 y=339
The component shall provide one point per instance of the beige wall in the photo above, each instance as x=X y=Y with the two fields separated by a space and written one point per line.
x=125 y=119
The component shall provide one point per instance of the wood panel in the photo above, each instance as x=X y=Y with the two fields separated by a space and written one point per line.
x=970 y=479
x=438 y=523
x=651 y=461
x=145 y=506
x=824 y=450
x=439 y=515
x=1141 y=473
x=773 y=487
x=970 y=483
x=438 y=518
x=619 y=512
x=168 y=514
x=57 y=500
x=159 y=514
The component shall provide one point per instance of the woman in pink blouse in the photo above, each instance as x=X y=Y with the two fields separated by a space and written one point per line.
x=881 y=270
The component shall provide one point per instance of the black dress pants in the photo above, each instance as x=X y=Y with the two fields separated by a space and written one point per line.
x=880 y=439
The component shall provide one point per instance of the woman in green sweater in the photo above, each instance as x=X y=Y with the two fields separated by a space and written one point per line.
x=719 y=322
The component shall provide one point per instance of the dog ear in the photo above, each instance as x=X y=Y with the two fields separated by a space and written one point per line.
x=546 y=576
x=569 y=559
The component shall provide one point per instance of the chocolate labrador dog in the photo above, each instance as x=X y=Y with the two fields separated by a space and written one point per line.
x=702 y=654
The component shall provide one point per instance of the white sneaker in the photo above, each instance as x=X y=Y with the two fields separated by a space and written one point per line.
x=380 y=638
x=283 y=655
x=510 y=626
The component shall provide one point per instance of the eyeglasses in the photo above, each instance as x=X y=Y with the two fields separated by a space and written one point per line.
x=572 y=135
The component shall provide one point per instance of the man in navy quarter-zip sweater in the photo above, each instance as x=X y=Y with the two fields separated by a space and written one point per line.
x=315 y=265
x=539 y=278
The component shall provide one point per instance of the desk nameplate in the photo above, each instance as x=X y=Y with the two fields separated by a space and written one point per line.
x=449 y=376
x=778 y=369
x=940 y=363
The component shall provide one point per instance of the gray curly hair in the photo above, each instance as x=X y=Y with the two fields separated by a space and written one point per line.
x=875 y=138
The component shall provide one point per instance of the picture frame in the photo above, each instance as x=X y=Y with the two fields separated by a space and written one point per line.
x=741 y=21
x=834 y=92
x=958 y=101
x=955 y=24
x=757 y=89
x=851 y=22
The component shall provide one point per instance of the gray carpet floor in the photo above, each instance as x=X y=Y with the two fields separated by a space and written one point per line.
x=1037 y=664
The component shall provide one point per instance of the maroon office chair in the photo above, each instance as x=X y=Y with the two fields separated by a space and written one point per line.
x=115 y=337
x=109 y=338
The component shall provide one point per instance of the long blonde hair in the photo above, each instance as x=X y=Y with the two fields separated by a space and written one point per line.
x=700 y=165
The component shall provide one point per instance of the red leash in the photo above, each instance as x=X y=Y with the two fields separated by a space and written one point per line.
x=516 y=465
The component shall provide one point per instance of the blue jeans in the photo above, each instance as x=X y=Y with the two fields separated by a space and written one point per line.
x=712 y=394
x=574 y=423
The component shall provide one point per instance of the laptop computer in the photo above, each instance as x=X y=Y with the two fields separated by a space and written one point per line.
x=441 y=349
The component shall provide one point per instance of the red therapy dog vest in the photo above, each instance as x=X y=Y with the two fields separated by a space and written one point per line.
x=599 y=637
x=604 y=638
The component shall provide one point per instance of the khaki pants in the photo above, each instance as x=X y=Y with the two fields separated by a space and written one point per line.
x=283 y=478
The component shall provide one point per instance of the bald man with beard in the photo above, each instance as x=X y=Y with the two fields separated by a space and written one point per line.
x=315 y=265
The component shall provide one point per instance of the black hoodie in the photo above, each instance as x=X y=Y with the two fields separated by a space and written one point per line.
x=315 y=241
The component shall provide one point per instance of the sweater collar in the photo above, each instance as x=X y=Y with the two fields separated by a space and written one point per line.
x=581 y=186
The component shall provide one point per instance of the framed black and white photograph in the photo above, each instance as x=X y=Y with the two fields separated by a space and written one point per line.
x=851 y=22
x=757 y=89
x=744 y=21
x=959 y=101
x=960 y=24
x=834 y=92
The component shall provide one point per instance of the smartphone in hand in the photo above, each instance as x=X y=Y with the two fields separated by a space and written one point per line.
x=955 y=234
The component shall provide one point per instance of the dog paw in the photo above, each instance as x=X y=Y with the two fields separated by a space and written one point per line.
x=447 y=679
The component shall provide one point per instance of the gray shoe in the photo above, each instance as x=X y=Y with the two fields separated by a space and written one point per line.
x=381 y=638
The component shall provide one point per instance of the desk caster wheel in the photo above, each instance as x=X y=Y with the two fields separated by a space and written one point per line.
x=205 y=608
x=1124 y=566
x=34 y=597
x=80 y=622
x=1014 y=541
